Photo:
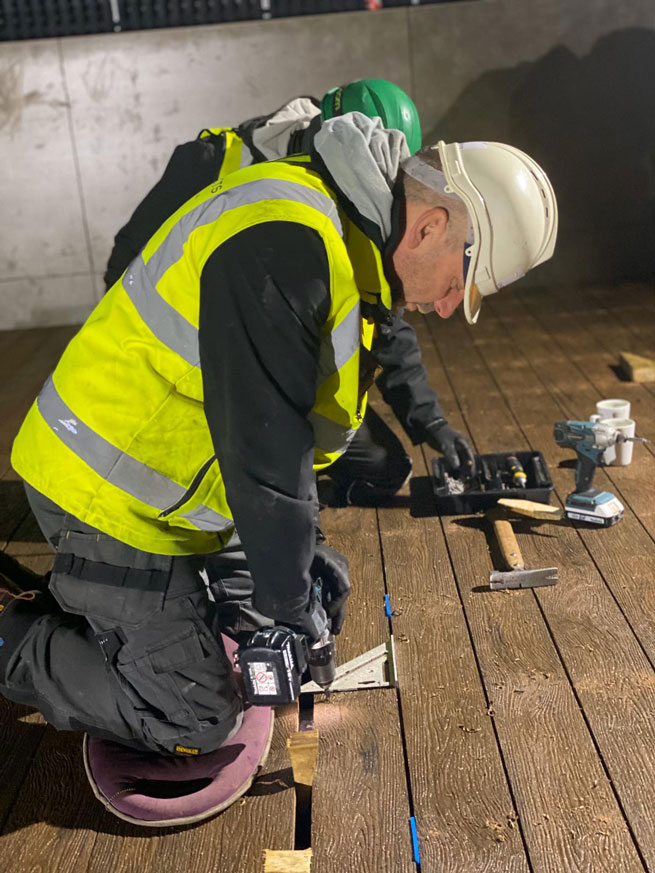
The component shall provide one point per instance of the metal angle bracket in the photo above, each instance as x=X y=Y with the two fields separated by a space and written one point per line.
x=374 y=669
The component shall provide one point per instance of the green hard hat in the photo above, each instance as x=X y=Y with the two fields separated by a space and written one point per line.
x=376 y=98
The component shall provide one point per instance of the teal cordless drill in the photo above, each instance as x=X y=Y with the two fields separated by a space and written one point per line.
x=590 y=439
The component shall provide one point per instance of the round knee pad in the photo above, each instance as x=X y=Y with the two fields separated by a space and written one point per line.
x=152 y=790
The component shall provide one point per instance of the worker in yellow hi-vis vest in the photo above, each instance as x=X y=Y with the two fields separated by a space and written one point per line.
x=376 y=465
x=175 y=445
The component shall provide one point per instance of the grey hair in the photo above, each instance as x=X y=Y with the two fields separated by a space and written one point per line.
x=420 y=190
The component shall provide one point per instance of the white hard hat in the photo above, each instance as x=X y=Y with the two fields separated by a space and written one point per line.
x=511 y=206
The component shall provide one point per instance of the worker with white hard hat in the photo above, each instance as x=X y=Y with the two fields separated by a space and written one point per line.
x=510 y=211
x=181 y=431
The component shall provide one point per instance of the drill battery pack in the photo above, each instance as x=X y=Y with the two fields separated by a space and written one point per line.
x=272 y=663
x=494 y=479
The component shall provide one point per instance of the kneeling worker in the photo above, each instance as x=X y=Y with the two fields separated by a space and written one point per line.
x=375 y=464
x=200 y=398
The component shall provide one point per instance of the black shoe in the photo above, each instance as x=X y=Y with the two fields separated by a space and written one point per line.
x=16 y=578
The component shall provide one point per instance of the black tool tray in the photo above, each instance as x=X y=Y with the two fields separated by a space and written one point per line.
x=484 y=490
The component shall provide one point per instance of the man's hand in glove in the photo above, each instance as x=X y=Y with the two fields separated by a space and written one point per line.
x=332 y=569
x=454 y=447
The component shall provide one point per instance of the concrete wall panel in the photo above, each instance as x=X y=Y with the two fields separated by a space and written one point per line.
x=41 y=223
x=570 y=82
x=39 y=301
x=136 y=96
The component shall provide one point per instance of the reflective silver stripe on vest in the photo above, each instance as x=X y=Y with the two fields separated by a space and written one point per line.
x=205 y=518
x=114 y=466
x=339 y=346
x=328 y=435
x=172 y=248
x=170 y=328
x=140 y=279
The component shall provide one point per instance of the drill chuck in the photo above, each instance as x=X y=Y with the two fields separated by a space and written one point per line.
x=322 y=661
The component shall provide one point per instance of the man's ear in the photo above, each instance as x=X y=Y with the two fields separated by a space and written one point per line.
x=424 y=223
x=434 y=223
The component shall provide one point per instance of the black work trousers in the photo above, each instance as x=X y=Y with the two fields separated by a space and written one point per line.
x=131 y=649
x=375 y=466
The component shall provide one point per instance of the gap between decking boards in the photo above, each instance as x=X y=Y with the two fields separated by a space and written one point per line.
x=373 y=669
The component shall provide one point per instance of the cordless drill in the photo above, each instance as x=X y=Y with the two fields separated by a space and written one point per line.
x=590 y=439
x=273 y=661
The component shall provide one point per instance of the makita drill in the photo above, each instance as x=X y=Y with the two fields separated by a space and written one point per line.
x=590 y=439
x=273 y=661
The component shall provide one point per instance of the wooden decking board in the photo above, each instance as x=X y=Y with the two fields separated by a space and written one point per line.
x=592 y=343
x=465 y=815
x=21 y=732
x=534 y=701
x=52 y=824
x=575 y=707
x=353 y=531
x=612 y=317
x=360 y=807
x=360 y=801
x=561 y=358
x=624 y=553
x=608 y=679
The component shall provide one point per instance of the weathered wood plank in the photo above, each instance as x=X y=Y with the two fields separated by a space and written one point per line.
x=624 y=553
x=21 y=731
x=593 y=341
x=579 y=374
x=619 y=319
x=52 y=824
x=466 y=819
x=548 y=751
x=360 y=807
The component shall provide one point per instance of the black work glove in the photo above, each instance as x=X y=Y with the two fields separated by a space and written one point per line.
x=454 y=447
x=313 y=622
x=331 y=568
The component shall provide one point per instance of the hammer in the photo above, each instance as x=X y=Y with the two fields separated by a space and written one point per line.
x=517 y=576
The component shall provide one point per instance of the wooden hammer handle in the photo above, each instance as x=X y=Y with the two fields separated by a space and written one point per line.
x=509 y=548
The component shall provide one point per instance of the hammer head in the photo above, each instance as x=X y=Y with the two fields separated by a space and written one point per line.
x=499 y=580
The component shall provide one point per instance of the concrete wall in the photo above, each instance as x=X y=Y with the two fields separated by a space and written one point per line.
x=87 y=123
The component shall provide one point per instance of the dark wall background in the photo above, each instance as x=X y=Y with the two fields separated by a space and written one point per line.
x=87 y=123
x=590 y=122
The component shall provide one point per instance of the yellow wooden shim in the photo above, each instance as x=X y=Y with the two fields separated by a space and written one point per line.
x=637 y=368
x=303 y=749
x=287 y=862
x=531 y=509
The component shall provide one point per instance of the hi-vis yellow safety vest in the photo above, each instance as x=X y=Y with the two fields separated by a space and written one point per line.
x=118 y=435
x=236 y=153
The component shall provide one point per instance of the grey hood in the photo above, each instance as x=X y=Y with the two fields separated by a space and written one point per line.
x=363 y=158
x=272 y=138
